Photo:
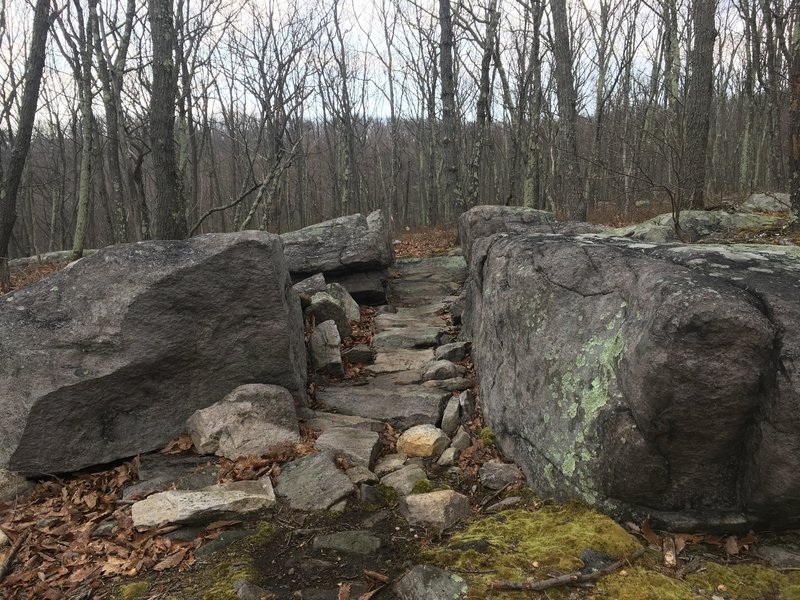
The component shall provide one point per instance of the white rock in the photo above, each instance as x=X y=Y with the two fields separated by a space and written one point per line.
x=254 y=419
x=439 y=510
x=221 y=501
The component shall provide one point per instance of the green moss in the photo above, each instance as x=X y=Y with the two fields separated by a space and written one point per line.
x=745 y=581
x=521 y=544
x=264 y=532
x=215 y=581
x=638 y=583
x=133 y=591
x=487 y=436
x=425 y=486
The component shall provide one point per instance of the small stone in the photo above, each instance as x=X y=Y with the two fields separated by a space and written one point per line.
x=360 y=354
x=345 y=300
x=361 y=474
x=423 y=440
x=438 y=510
x=385 y=309
x=324 y=349
x=349 y=542
x=496 y=475
x=467 y=402
x=358 y=446
x=425 y=582
x=450 y=418
x=504 y=504
x=461 y=440
x=104 y=528
x=339 y=507
x=448 y=457
x=369 y=494
x=441 y=369
x=416 y=461
x=403 y=481
x=389 y=464
x=247 y=590
x=308 y=287
x=313 y=483
x=455 y=352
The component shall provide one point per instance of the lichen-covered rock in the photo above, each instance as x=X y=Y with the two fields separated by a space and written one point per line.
x=345 y=300
x=425 y=582
x=107 y=358
x=254 y=419
x=769 y=202
x=696 y=225
x=644 y=378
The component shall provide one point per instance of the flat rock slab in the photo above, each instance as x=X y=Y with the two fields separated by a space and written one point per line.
x=396 y=361
x=426 y=582
x=158 y=472
x=216 y=502
x=313 y=483
x=358 y=446
x=427 y=280
x=348 y=542
x=403 y=480
x=407 y=337
x=400 y=406
x=320 y=421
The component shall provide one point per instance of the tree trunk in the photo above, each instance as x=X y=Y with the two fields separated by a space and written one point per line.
x=794 y=115
x=452 y=186
x=169 y=215
x=573 y=204
x=11 y=174
x=698 y=104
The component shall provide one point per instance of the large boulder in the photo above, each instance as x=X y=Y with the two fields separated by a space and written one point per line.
x=354 y=251
x=696 y=225
x=768 y=202
x=109 y=357
x=483 y=221
x=644 y=378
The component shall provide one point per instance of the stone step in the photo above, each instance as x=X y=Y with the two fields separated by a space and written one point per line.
x=400 y=406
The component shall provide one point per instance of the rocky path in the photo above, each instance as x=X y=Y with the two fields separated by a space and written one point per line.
x=344 y=522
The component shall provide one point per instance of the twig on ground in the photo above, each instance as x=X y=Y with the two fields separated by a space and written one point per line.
x=568 y=579
x=8 y=561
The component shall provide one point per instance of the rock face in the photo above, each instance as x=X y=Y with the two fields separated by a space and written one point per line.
x=341 y=249
x=643 y=378
x=483 y=221
x=254 y=419
x=109 y=357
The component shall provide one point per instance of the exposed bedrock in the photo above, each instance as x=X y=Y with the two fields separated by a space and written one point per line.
x=109 y=357
x=644 y=378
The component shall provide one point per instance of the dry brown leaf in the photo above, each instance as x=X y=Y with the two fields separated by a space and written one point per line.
x=344 y=591
x=731 y=545
x=376 y=576
x=171 y=561
x=651 y=536
x=182 y=444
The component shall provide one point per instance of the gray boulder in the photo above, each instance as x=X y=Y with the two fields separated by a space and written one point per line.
x=345 y=300
x=324 y=307
x=643 y=378
x=254 y=419
x=696 y=225
x=358 y=446
x=310 y=286
x=769 y=202
x=352 y=243
x=109 y=357
x=313 y=483
x=323 y=346
x=353 y=251
x=483 y=221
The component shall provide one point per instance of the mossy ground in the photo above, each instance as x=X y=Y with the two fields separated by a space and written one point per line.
x=519 y=544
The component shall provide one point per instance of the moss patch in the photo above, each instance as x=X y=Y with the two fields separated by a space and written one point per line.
x=132 y=591
x=638 y=583
x=487 y=437
x=517 y=544
x=425 y=486
x=745 y=581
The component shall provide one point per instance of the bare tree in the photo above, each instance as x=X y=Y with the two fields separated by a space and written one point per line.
x=11 y=170
x=170 y=213
x=452 y=181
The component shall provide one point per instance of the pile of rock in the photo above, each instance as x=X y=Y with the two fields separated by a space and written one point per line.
x=354 y=251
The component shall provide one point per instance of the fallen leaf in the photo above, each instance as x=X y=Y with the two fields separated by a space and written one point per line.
x=731 y=545
x=344 y=591
x=171 y=561
x=651 y=536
